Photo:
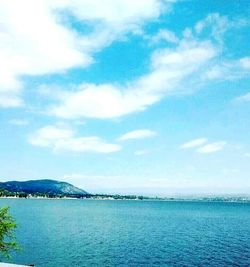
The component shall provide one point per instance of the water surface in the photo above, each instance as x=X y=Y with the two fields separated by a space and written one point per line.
x=131 y=233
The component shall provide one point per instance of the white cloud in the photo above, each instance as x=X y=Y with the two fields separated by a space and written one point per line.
x=245 y=62
x=194 y=143
x=215 y=23
x=19 y=122
x=25 y=30
x=165 y=35
x=169 y=69
x=137 y=134
x=36 y=37
x=227 y=70
x=64 y=139
x=50 y=135
x=244 y=98
x=117 y=13
x=25 y=51
x=202 y=146
x=8 y=100
x=211 y=148
x=196 y=59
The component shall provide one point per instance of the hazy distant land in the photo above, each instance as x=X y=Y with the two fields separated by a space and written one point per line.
x=51 y=189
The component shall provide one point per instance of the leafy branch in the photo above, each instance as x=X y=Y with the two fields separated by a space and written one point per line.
x=7 y=232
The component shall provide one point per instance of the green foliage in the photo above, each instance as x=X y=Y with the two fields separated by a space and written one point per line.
x=7 y=228
x=5 y=193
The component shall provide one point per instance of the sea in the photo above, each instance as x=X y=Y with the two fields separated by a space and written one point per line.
x=77 y=232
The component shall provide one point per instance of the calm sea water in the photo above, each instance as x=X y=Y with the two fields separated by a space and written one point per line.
x=131 y=233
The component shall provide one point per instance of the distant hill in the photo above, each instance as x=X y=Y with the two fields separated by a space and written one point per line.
x=50 y=187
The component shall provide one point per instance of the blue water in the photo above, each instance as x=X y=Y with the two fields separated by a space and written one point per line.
x=131 y=233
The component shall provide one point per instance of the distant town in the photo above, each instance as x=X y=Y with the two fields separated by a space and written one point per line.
x=229 y=198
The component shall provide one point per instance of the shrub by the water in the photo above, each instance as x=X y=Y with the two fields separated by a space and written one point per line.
x=7 y=228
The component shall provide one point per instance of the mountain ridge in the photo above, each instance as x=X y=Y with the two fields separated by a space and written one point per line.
x=43 y=186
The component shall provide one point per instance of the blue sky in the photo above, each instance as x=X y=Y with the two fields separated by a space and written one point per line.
x=147 y=97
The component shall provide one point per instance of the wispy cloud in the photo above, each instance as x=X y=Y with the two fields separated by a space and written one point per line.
x=137 y=134
x=203 y=146
x=243 y=98
x=194 y=143
x=227 y=70
x=212 y=147
x=64 y=139
x=169 y=69
x=165 y=35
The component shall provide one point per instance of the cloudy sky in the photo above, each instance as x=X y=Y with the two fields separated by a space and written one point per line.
x=149 y=96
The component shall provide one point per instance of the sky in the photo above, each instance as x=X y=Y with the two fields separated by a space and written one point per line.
x=122 y=96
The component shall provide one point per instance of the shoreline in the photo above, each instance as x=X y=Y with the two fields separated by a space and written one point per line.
x=211 y=200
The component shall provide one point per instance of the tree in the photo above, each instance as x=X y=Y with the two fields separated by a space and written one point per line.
x=7 y=228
